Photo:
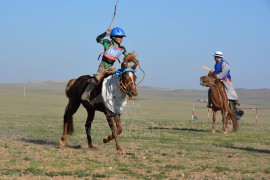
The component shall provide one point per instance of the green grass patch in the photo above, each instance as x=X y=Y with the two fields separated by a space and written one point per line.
x=159 y=139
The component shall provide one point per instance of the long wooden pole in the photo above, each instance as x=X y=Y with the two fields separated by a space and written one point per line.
x=110 y=27
x=206 y=68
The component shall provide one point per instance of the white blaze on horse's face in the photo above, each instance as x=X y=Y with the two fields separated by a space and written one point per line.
x=132 y=87
x=130 y=75
x=129 y=84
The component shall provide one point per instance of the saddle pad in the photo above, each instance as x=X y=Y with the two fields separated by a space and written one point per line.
x=114 y=99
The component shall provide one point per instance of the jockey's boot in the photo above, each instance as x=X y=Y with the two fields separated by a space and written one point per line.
x=87 y=92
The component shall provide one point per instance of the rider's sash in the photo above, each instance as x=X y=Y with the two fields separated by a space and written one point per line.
x=113 y=52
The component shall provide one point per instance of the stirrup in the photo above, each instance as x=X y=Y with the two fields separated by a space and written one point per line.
x=209 y=106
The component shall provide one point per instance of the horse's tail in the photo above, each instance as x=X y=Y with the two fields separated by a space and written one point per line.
x=72 y=106
x=68 y=116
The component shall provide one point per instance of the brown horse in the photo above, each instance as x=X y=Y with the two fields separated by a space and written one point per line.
x=219 y=101
x=74 y=90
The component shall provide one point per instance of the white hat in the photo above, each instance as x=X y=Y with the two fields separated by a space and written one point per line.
x=218 y=54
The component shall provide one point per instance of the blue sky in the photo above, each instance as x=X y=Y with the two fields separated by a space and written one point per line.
x=44 y=40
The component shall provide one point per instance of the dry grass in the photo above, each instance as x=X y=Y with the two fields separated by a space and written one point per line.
x=159 y=139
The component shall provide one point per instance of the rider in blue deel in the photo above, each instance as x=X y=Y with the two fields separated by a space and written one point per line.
x=222 y=70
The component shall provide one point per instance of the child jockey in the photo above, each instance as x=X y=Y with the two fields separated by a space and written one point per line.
x=112 y=52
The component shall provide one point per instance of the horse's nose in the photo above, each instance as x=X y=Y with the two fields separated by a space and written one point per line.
x=133 y=93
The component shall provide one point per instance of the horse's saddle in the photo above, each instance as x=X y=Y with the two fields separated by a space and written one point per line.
x=97 y=90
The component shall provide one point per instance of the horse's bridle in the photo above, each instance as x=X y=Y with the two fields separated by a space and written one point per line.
x=123 y=86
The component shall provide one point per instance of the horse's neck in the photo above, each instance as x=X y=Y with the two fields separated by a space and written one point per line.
x=112 y=85
x=114 y=99
x=111 y=80
x=218 y=94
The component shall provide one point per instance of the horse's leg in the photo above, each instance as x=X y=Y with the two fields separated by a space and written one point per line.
x=214 y=121
x=224 y=121
x=235 y=122
x=71 y=109
x=114 y=134
x=228 y=118
x=112 y=126
x=232 y=115
x=119 y=129
x=118 y=124
x=63 y=140
x=88 y=124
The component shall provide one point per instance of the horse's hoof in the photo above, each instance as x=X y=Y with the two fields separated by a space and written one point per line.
x=91 y=146
x=105 y=140
x=62 y=144
x=120 y=152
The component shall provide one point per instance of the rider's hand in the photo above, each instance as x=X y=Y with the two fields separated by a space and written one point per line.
x=108 y=31
x=137 y=62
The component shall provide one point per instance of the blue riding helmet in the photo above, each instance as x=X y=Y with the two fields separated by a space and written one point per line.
x=117 y=32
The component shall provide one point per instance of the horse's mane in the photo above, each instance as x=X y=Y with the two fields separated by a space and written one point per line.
x=218 y=88
x=131 y=57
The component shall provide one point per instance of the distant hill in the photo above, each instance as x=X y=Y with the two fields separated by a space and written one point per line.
x=246 y=96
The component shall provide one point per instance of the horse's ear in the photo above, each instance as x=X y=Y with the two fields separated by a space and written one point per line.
x=134 y=65
x=130 y=57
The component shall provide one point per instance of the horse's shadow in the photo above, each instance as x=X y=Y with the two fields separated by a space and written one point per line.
x=46 y=143
x=249 y=149
x=178 y=129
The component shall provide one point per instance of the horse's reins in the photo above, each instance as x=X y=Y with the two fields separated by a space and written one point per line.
x=142 y=77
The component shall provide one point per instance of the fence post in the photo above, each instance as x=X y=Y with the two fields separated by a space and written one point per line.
x=256 y=115
x=193 y=112
x=208 y=115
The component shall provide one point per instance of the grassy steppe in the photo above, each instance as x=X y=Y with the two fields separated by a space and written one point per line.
x=159 y=138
